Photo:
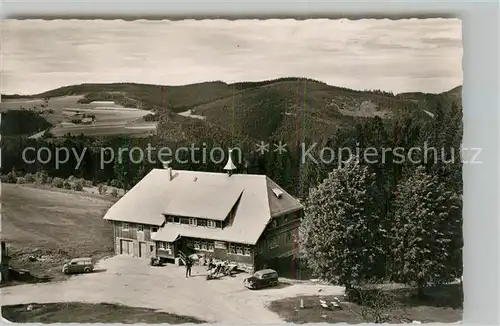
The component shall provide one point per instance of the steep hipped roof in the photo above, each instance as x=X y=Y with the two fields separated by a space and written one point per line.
x=156 y=194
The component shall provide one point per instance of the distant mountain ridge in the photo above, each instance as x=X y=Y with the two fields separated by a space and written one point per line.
x=270 y=109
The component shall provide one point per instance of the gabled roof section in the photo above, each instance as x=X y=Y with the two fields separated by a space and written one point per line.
x=144 y=202
x=208 y=201
x=204 y=195
x=280 y=202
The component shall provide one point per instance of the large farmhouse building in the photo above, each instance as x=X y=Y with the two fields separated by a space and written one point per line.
x=246 y=219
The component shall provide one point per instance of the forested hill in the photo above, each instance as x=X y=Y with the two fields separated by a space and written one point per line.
x=274 y=109
x=244 y=114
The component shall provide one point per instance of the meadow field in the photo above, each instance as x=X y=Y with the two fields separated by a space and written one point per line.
x=106 y=117
x=53 y=225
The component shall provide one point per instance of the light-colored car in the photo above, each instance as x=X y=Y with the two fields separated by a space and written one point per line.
x=78 y=265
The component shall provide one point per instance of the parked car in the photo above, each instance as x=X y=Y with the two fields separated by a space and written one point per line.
x=261 y=279
x=78 y=265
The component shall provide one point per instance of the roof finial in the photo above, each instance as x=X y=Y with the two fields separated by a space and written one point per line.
x=230 y=165
x=166 y=164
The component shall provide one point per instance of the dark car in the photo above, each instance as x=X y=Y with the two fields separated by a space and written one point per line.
x=78 y=265
x=261 y=279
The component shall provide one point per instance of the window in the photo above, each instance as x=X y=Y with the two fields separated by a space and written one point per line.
x=170 y=219
x=285 y=218
x=185 y=221
x=288 y=236
x=192 y=221
x=210 y=246
x=235 y=250
x=154 y=229
x=273 y=243
x=201 y=222
x=164 y=245
x=177 y=219
x=204 y=246
x=125 y=226
x=151 y=248
x=275 y=223
x=211 y=224
x=232 y=250
x=140 y=228
x=189 y=243
x=196 y=245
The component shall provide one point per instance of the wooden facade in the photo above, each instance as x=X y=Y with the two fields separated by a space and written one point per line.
x=134 y=239
x=278 y=240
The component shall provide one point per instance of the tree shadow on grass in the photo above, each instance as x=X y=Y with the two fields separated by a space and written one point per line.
x=19 y=276
x=443 y=296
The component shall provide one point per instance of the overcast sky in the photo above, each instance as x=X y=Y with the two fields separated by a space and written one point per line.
x=399 y=56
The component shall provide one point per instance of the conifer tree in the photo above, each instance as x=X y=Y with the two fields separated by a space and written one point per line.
x=426 y=231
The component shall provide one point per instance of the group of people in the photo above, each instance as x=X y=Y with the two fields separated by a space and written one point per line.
x=214 y=269
x=220 y=268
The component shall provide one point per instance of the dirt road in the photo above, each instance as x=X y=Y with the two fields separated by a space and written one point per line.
x=132 y=282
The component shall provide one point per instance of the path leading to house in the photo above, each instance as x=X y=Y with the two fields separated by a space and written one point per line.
x=132 y=282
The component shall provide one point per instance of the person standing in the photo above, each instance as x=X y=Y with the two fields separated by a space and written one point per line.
x=189 y=264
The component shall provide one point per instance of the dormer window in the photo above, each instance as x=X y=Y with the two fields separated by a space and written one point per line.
x=125 y=226
x=154 y=229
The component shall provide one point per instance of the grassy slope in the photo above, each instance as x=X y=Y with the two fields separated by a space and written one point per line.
x=53 y=224
x=76 y=312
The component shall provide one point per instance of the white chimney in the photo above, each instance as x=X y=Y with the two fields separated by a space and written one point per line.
x=166 y=166
x=230 y=167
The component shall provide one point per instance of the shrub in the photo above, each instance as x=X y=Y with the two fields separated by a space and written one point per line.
x=4 y=178
x=21 y=180
x=29 y=178
x=87 y=183
x=114 y=192
x=66 y=184
x=77 y=185
x=41 y=177
x=10 y=177
x=115 y=183
x=102 y=189
x=58 y=183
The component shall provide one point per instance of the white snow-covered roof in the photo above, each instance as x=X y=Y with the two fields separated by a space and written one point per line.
x=204 y=195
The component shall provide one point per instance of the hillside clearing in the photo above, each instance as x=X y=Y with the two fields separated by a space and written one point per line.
x=53 y=225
